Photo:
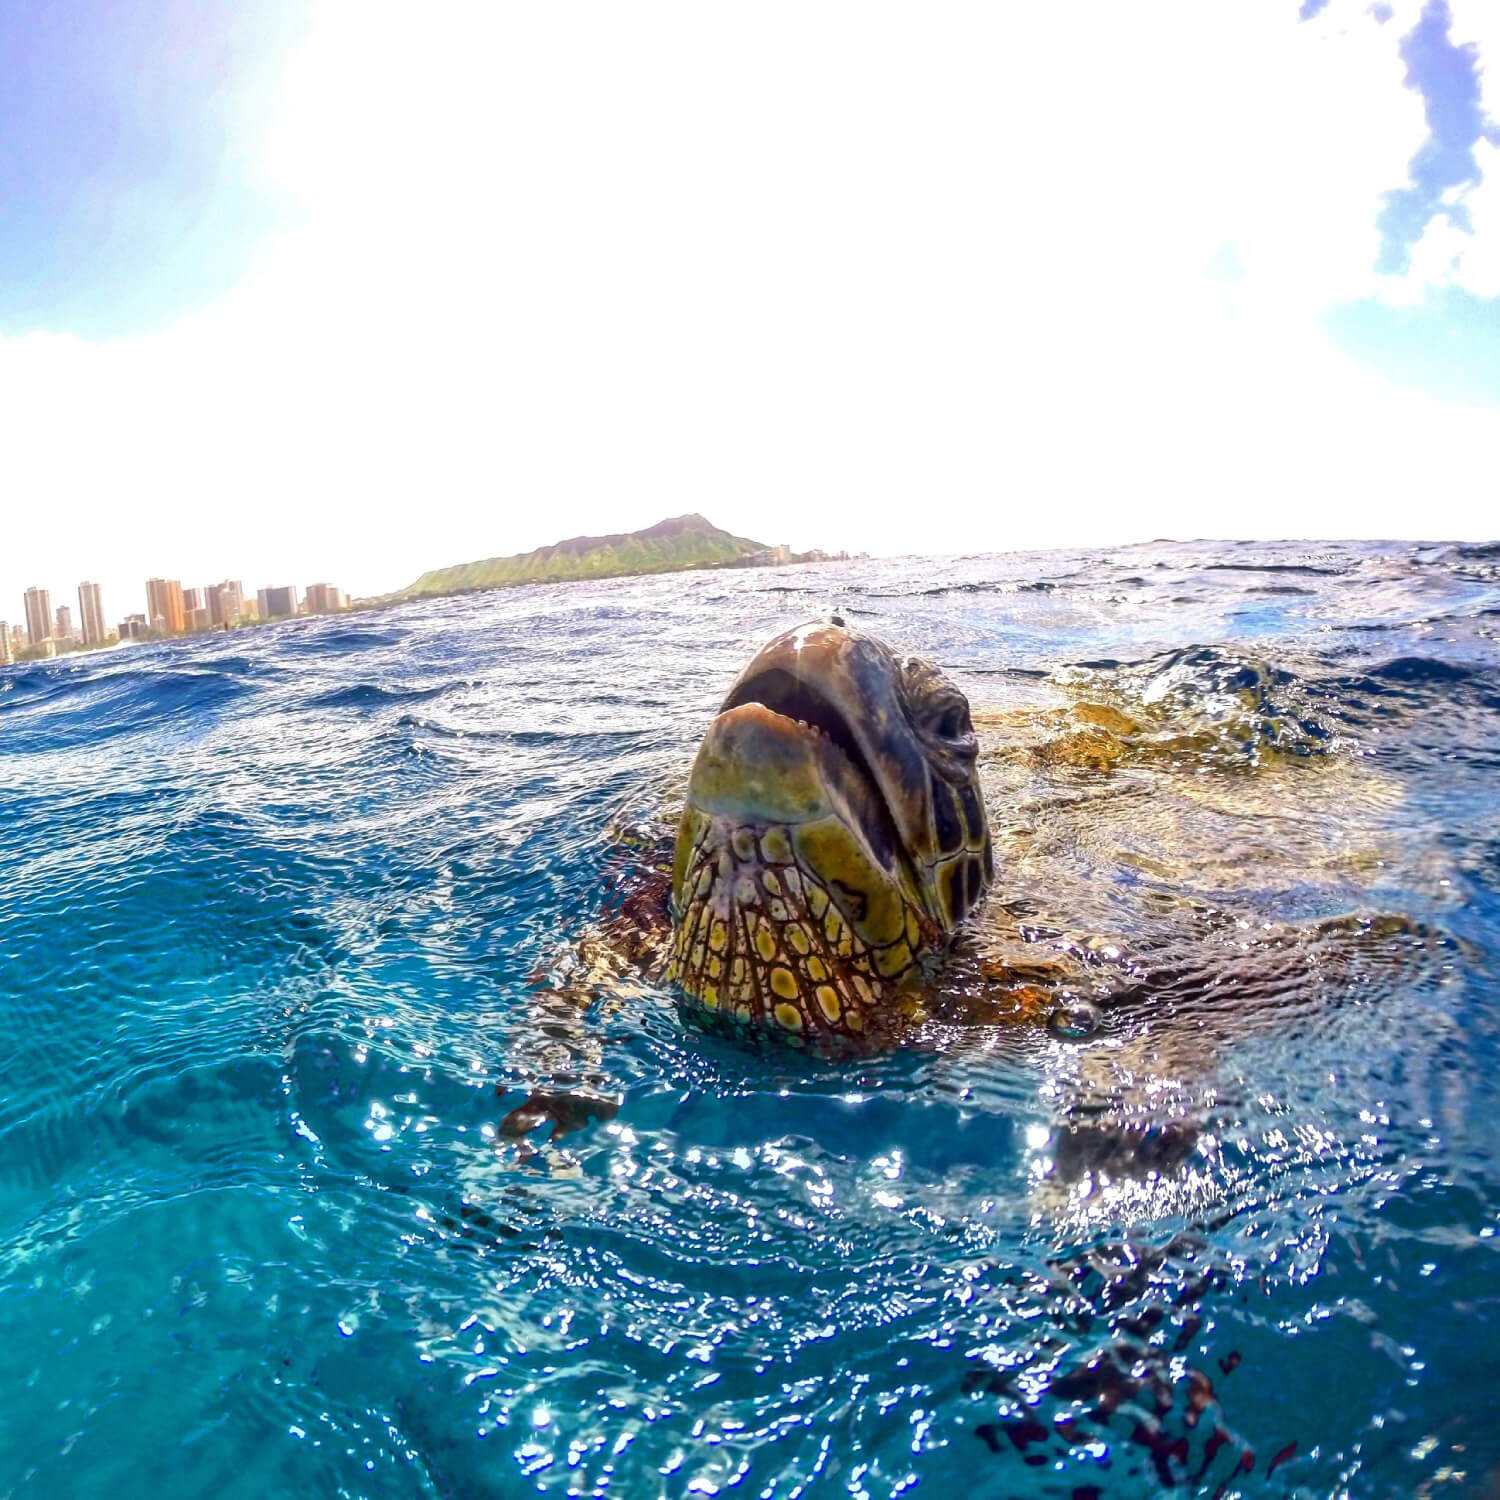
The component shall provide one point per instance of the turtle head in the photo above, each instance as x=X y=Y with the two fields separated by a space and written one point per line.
x=833 y=832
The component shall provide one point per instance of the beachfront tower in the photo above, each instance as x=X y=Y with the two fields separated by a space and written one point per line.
x=277 y=603
x=164 y=604
x=38 y=616
x=91 y=614
x=324 y=599
x=226 y=602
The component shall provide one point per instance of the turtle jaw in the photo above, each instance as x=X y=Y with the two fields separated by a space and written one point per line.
x=794 y=904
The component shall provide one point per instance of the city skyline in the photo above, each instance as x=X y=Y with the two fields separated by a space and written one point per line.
x=171 y=610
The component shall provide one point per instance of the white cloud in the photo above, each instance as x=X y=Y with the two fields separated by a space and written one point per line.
x=840 y=274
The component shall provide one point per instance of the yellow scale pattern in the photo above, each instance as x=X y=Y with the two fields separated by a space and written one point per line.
x=785 y=953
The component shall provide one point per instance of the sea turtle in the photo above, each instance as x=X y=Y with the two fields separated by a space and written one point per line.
x=837 y=879
x=836 y=883
x=833 y=837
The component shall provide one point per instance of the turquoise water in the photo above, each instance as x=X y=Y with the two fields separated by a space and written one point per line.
x=288 y=927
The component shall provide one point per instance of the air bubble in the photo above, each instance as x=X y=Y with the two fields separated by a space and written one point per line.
x=1074 y=1019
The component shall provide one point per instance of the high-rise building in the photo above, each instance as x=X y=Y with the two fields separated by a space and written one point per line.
x=226 y=602
x=164 y=606
x=64 y=630
x=38 y=616
x=6 y=655
x=324 y=599
x=17 y=640
x=134 y=628
x=277 y=604
x=91 y=614
x=194 y=610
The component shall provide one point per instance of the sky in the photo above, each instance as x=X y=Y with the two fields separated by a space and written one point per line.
x=295 y=290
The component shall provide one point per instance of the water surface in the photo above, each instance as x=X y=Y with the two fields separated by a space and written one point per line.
x=290 y=922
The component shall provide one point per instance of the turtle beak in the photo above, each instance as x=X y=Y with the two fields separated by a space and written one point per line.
x=757 y=764
x=843 y=683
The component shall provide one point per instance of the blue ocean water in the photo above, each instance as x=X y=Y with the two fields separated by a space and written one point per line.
x=282 y=915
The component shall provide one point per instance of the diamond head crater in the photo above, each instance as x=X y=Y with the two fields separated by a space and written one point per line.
x=670 y=546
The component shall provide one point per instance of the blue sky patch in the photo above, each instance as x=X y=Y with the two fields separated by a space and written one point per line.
x=126 y=194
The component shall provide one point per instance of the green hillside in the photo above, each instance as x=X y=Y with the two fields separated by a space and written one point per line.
x=682 y=542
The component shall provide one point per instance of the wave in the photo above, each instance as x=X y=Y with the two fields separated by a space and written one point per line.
x=79 y=709
x=1421 y=669
x=369 y=695
x=1312 y=569
x=339 y=642
x=1209 y=703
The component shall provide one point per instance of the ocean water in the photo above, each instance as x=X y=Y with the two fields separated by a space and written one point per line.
x=292 y=919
